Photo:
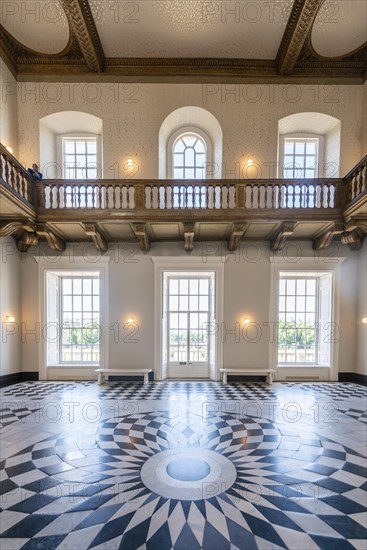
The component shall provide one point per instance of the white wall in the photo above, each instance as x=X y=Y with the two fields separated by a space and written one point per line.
x=10 y=272
x=246 y=294
x=8 y=109
x=361 y=335
x=248 y=114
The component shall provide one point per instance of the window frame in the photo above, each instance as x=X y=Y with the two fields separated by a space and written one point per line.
x=79 y=135
x=317 y=265
x=64 y=266
x=301 y=136
x=186 y=130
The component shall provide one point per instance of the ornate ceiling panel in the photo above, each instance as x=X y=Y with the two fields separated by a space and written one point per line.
x=40 y=26
x=340 y=27
x=191 y=28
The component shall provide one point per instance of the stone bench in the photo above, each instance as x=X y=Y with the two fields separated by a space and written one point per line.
x=269 y=373
x=105 y=373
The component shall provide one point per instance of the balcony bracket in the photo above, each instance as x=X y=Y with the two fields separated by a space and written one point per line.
x=8 y=228
x=98 y=239
x=53 y=241
x=141 y=235
x=237 y=232
x=355 y=233
x=189 y=234
x=26 y=240
x=285 y=231
x=324 y=240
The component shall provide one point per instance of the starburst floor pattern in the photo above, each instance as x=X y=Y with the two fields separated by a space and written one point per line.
x=185 y=477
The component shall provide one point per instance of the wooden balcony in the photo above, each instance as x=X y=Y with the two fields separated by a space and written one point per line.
x=164 y=210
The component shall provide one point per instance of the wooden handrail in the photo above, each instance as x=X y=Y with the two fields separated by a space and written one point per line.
x=14 y=175
x=157 y=194
x=189 y=194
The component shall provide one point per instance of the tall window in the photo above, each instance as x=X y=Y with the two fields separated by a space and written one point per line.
x=79 y=157
x=73 y=318
x=188 y=319
x=189 y=157
x=300 y=157
x=304 y=318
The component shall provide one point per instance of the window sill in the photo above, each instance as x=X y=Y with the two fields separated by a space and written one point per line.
x=75 y=366
x=302 y=366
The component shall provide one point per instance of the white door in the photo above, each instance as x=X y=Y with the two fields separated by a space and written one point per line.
x=187 y=321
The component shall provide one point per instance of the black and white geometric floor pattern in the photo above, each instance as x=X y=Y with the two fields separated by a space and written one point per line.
x=42 y=390
x=10 y=413
x=188 y=390
x=337 y=390
x=360 y=415
x=161 y=480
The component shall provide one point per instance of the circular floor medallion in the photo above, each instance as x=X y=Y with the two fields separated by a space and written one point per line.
x=188 y=474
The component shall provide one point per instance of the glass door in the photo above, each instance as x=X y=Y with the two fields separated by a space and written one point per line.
x=189 y=314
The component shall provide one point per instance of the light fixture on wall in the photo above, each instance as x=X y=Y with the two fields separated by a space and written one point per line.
x=131 y=321
x=10 y=319
x=246 y=321
x=364 y=320
x=130 y=163
x=10 y=149
x=249 y=163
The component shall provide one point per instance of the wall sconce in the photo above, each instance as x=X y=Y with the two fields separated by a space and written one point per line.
x=131 y=321
x=10 y=149
x=364 y=320
x=246 y=321
x=10 y=319
x=249 y=163
x=130 y=163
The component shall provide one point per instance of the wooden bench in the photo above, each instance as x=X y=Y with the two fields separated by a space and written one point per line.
x=105 y=373
x=269 y=373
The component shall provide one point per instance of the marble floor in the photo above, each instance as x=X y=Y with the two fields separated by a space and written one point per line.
x=183 y=465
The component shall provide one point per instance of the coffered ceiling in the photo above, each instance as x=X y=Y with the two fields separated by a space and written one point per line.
x=185 y=40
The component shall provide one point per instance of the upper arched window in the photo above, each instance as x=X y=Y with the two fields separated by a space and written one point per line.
x=189 y=157
x=309 y=146
x=190 y=145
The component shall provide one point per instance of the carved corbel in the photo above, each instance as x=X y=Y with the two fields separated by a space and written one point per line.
x=355 y=232
x=98 y=239
x=285 y=231
x=324 y=240
x=237 y=232
x=189 y=235
x=26 y=240
x=354 y=239
x=141 y=235
x=10 y=227
x=53 y=241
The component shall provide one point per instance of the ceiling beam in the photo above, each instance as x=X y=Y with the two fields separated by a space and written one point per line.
x=82 y=24
x=299 y=25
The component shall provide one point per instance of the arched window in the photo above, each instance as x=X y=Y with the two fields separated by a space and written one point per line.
x=189 y=157
x=190 y=145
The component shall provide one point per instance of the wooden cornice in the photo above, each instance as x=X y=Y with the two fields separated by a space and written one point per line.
x=83 y=26
x=299 y=25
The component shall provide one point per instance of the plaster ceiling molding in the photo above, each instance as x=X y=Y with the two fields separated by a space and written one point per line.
x=340 y=28
x=40 y=26
x=191 y=28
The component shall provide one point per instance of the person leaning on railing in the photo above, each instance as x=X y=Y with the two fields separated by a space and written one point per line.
x=34 y=171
